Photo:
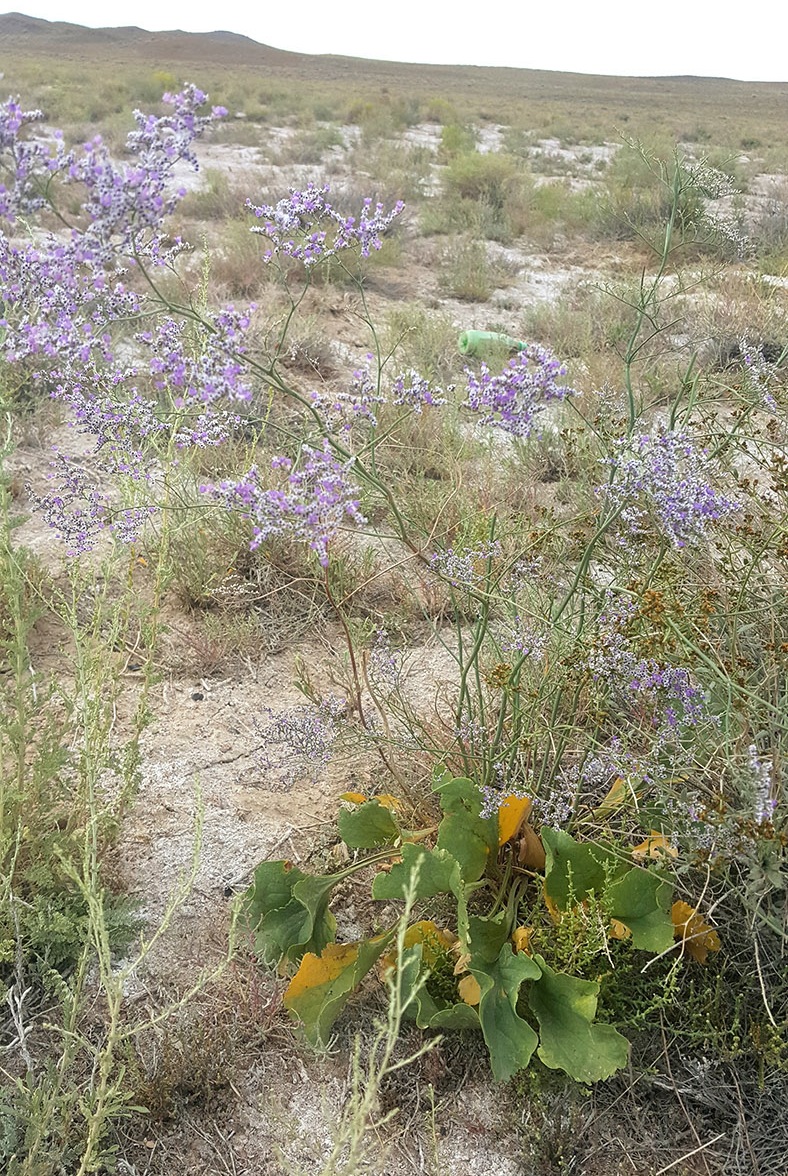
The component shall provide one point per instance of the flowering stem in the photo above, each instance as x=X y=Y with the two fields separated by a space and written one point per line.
x=584 y=562
x=647 y=302
x=357 y=687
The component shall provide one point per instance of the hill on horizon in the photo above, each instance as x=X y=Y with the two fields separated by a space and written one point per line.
x=22 y=31
x=73 y=68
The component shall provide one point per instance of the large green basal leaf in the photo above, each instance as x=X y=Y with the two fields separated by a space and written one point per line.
x=438 y=873
x=500 y=972
x=641 y=899
x=368 y=825
x=286 y=912
x=467 y=836
x=565 y=1007
x=429 y=1013
x=573 y=870
x=320 y=988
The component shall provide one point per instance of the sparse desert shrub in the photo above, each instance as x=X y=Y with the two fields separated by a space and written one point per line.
x=485 y=178
x=396 y=171
x=423 y=339
x=468 y=271
x=489 y=194
x=582 y=320
x=309 y=145
x=440 y=110
x=767 y=229
x=220 y=196
x=456 y=139
x=518 y=141
x=237 y=262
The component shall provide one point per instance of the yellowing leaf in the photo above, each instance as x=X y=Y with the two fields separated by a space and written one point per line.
x=530 y=852
x=324 y=983
x=315 y=970
x=469 y=990
x=521 y=939
x=656 y=846
x=433 y=939
x=697 y=936
x=354 y=797
x=619 y=930
x=616 y=796
x=511 y=813
x=553 y=909
x=462 y=963
x=389 y=802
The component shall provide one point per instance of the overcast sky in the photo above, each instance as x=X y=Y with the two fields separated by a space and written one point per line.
x=703 y=37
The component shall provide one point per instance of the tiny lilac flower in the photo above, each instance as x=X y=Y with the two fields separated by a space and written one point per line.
x=303 y=737
x=76 y=511
x=26 y=165
x=465 y=568
x=214 y=372
x=126 y=202
x=519 y=637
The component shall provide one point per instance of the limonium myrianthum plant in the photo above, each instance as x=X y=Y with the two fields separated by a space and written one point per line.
x=312 y=503
x=515 y=399
x=558 y=716
x=308 y=228
x=663 y=477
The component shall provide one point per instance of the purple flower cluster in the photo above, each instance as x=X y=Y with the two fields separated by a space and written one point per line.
x=589 y=781
x=681 y=703
x=384 y=664
x=60 y=294
x=408 y=390
x=514 y=399
x=75 y=510
x=700 y=824
x=663 y=478
x=664 y=697
x=56 y=302
x=518 y=637
x=210 y=373
x=121 y=421
x=306 y=226
x=557 y=805
x=207 y=430
x=78 y=512
x=364 y=393
x=25 y=163
x=311 y=507
x=473 y=733
x=304 y=737
x=760 y=374
x=466 y=568
x=411 y=390
x=123 y=202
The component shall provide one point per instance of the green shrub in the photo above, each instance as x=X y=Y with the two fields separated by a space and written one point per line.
x=456 y=139
x=468 y=272
x=219 y=197
x=485 y=178
x=423 y=339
